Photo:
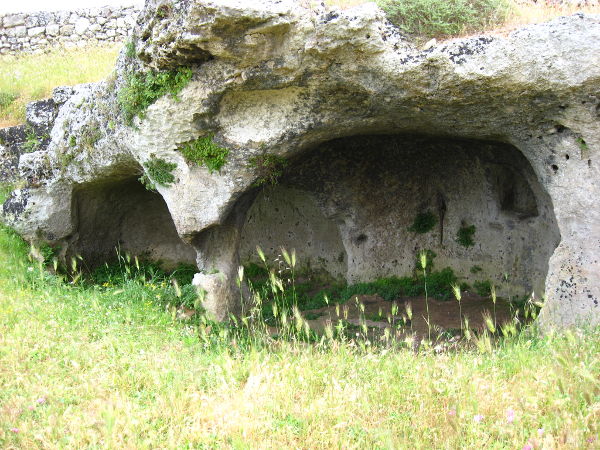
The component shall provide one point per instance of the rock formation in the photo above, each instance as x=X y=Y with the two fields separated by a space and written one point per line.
x=336 y=133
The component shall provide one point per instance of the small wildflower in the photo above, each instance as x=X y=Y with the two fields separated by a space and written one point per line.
x=14 y=430
x=41 y=400
x=510 y=415
x=528 y=446
x=452 y=412
x=540 y=431
x=591 y=439
x=478 y=418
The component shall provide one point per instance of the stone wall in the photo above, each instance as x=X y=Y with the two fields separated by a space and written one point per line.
x=40 y=30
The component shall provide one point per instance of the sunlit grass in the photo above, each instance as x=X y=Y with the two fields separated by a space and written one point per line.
x=33 y=77
x=108 y=367
x=520 y=13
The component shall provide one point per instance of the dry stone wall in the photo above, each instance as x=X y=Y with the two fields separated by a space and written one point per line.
x=40 y=30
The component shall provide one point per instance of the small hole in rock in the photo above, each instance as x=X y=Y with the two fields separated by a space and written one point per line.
x=567 y=157
x=559 y=128
x=361 y=238
x=589 y=163
x=554 y=168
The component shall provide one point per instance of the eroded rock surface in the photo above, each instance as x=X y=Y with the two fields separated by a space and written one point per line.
x=498 y=132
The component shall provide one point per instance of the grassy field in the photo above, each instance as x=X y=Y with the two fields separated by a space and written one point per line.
x=109 y=367
x=24 y=79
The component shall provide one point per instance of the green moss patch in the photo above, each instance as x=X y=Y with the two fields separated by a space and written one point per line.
x=205 y=152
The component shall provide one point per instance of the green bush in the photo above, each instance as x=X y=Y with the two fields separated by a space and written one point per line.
x=464 y=236
x=205 y=152
x=439 y=18
x=143 y=89
x=269 y=167
x=423 y=223
x=158 y=171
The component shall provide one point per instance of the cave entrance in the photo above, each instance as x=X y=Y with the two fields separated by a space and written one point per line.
x=123 y=214
x=361 y=208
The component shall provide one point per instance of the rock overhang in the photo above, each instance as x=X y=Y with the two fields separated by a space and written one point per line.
x=278 y=78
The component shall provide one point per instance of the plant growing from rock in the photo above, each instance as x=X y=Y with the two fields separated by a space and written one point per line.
x=205 y=152
x=141 y=90
x=32 y=141
x=269 y=166
x=464 y=236
x=423 y=223
x=158 y=171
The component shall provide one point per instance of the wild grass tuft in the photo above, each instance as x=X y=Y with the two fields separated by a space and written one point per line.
x=432 y=18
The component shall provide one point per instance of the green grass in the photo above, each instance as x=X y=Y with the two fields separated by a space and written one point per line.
x=26 y=78
x=107 y=366
x=433 y=18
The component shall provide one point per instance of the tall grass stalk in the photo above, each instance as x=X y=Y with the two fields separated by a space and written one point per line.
x=458 y=296
x=423 y=263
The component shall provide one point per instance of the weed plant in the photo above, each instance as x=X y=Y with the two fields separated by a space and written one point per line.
x=140 y=90
x=269 y=167
x=464 y=236
x=205 y=152
x=423 y=223
x=158 y=171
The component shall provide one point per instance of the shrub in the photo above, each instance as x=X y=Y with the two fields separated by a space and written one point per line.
x=158 y=171
x=438 y=18
x=464 y=236
x=143 y=89
x=205 y=152
x=423 y=223
x=269 y=167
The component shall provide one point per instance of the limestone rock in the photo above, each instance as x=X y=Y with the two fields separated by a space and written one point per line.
x=502 y=133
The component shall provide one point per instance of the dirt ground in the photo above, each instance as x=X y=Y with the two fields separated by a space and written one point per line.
x=378 y=313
